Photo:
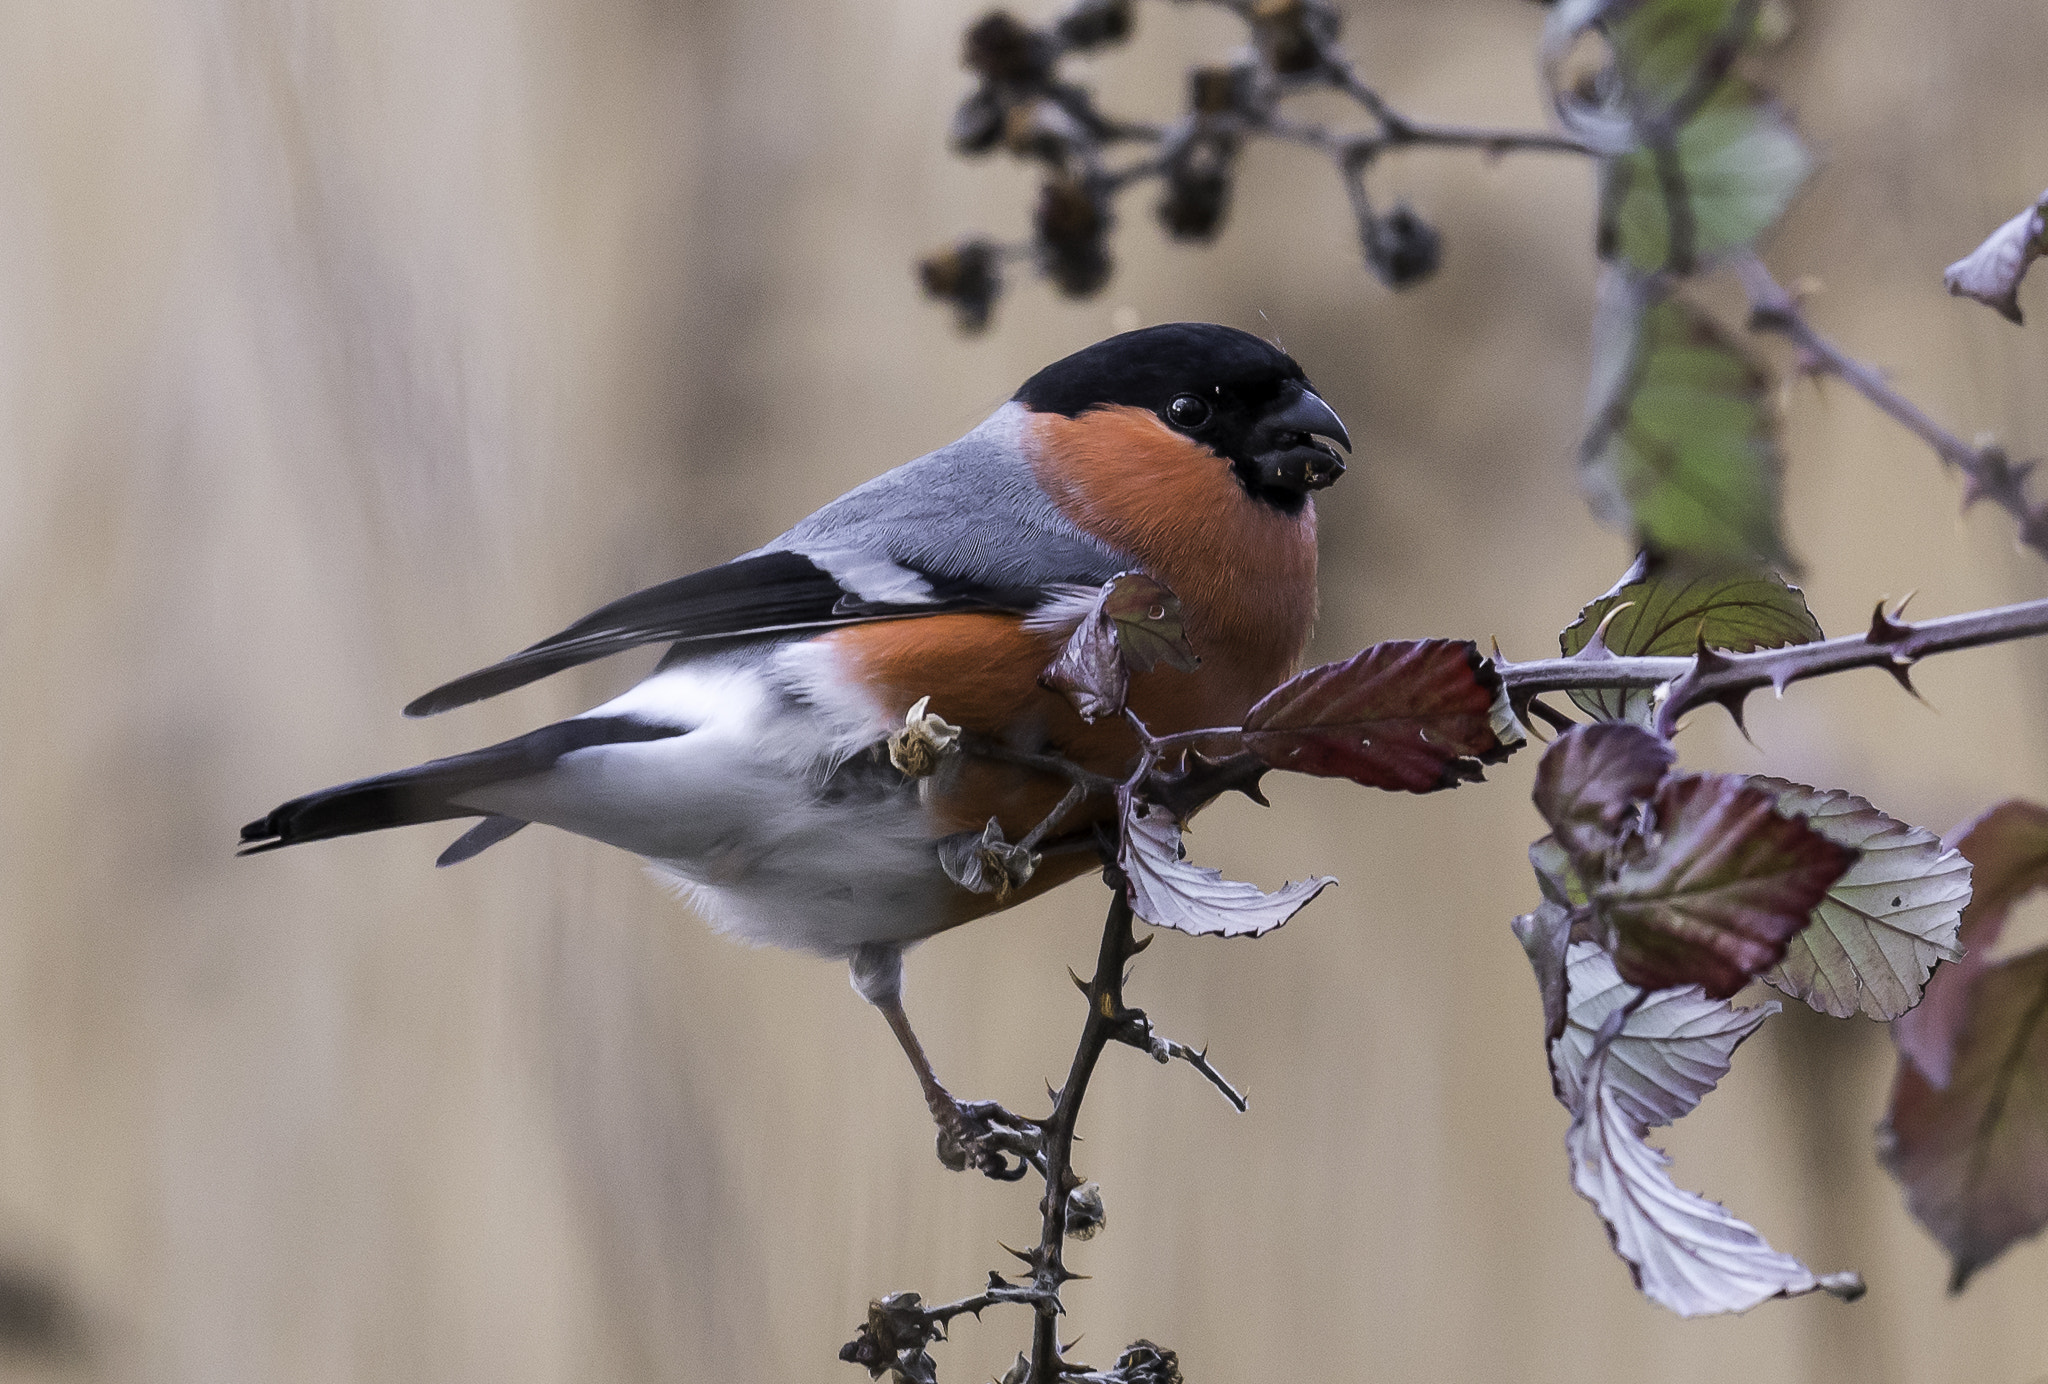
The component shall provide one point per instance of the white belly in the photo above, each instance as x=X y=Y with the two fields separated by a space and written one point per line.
x=767 y=814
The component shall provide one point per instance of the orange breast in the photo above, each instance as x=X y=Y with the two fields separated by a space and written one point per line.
x=1244 y=572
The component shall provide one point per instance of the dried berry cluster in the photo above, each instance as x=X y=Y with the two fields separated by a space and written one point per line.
x=1022 y=105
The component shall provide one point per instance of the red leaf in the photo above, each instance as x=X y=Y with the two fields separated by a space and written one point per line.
x=1590 y=779
x=1724 y=883
x=2007 y=848
x=1133 y=624
x=1973 y=1157
x=1412 y=715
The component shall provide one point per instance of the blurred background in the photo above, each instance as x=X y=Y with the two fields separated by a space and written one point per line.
x=345 y=347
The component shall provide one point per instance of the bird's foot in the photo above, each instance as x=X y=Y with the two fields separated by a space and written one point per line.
x=982 y=1135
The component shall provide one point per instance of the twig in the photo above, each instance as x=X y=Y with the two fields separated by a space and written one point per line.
x=1106 y=1015
x=1140 y=1034
x=1988 y=473
x=1713 y=676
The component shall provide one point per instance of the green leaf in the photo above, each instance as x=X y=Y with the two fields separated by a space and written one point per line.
x=1884 y=923
x=1973 y=1157
x=1674 y=613
x=1713 y=187
x=1682 y=449
x=1717 y=890
x=1660 y=44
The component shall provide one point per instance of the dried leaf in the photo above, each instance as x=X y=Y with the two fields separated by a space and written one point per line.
x=2007 y=848
x=1134 y=623
x=1681 y=451
x=1620 y=1073
x=1991 y=273
x=1717 y=890
x=984 y=863
x=1884 y=923
x=1168 y=891
x=1591 y=780
x=1406 y=714
x=1672 y=613
x=1973 y=1157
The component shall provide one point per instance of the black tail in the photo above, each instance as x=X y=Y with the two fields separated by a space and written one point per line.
x=426 y=792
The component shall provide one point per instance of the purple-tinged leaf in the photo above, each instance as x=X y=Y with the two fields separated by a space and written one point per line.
x=1672 y=613
x=1719 y=888
x=1169 y=891
x=1592 y=778
x=1544 y=935
x=1973 y=1156
x=1410 y=715
x=1884 y=923
x=2007 y=848
x=1991 y=273
x=1133 y=624
x=1621 y=1071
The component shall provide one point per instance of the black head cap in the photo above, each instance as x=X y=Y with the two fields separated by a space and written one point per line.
x=1242 y=397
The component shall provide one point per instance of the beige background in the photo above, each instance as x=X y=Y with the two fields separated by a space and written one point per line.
x=347 y=346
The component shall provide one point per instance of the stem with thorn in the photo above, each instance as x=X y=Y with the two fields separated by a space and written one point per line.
x=1106 y=1015
x=1988 y=473
x=1713 y=676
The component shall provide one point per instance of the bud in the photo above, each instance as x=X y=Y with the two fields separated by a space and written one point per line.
x=1144 y=1363
x=967 y=276
x=1225 y=90
x=1292 y=34
x=1197 y=191
x=1402 y=248
x=1072 y=224
x=1002 y=48
x=1094 y=24
x=977 y=123
x=985 y=863
x=1085 y=1214
x=1040 y=129
x=924 y=740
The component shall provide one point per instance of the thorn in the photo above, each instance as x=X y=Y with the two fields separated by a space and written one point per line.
x=1900 y=609
x=1900 y=668
x=1733 y=702
x=1706 y=660
x=1030 y=1259
x=1079 y=984
x=1141 y=943
x=1596 y=647
x=1883 y=630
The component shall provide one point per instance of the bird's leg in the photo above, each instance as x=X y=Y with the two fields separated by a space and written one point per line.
x=972 y=1134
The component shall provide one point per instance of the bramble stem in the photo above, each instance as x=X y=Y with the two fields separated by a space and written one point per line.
x=1989 y=474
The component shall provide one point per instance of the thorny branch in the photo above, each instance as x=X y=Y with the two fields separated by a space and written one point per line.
x=1023 y=105
x=1727 y=678
x=1988 y=473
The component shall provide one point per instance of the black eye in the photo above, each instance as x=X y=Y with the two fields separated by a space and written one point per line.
x=1187 y=411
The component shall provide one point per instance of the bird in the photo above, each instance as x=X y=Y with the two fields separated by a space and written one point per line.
x=748 y=769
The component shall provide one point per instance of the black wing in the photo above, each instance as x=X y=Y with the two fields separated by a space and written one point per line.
x=767 y=593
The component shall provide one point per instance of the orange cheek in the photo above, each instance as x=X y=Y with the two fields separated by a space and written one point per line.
x=1245 y=572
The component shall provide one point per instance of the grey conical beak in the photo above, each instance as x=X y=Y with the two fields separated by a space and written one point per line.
x=1309 y=414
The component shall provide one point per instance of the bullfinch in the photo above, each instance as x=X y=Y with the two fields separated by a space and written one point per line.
x=747 y=768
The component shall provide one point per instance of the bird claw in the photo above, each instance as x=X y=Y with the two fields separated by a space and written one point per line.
x=984 y=1136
